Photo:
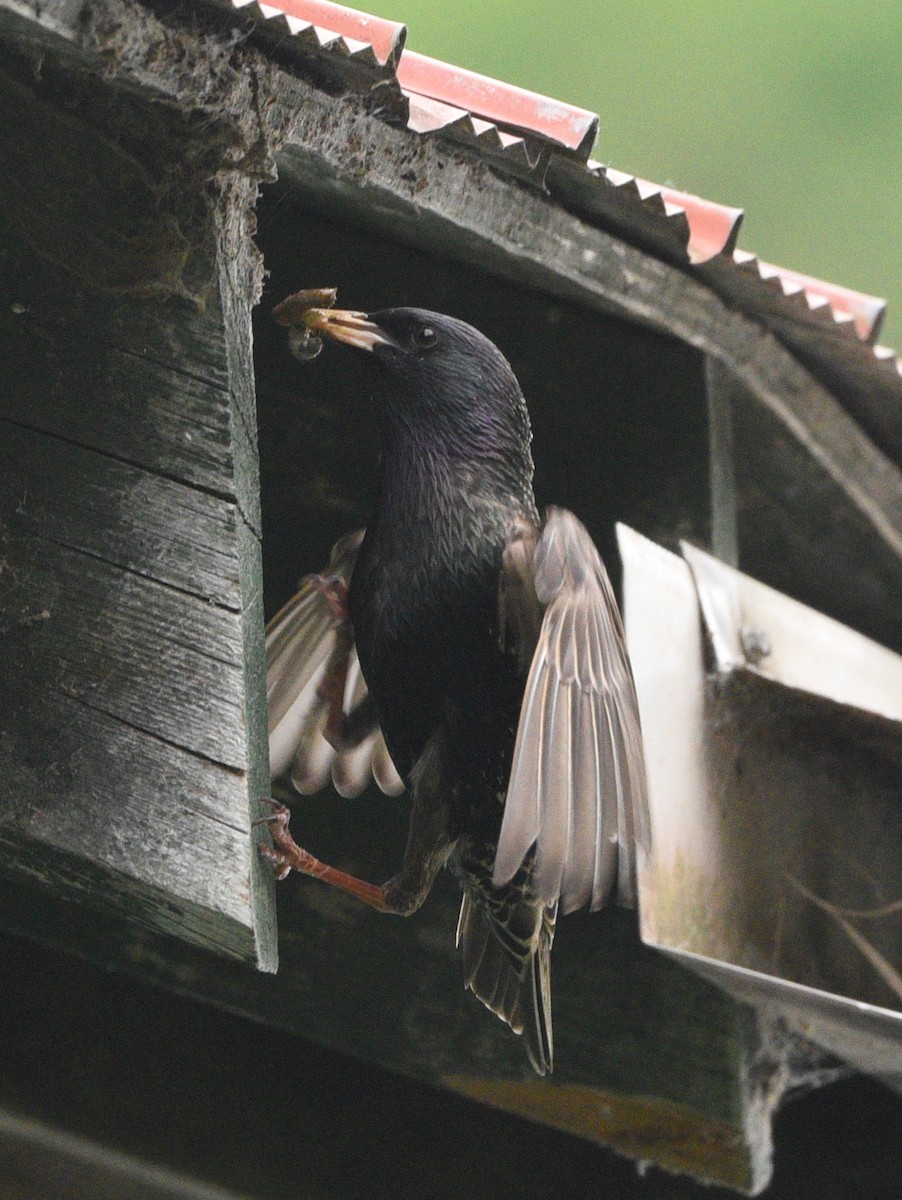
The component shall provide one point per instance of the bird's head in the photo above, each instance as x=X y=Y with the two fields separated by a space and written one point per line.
x=441 y=387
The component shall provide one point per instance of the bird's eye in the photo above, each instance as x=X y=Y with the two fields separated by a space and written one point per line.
x=425 y=337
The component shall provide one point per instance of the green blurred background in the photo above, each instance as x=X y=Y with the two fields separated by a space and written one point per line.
x=789 y=110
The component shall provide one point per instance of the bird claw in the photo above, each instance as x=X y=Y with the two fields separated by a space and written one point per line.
x=334 y=590
x=284 y=854
x=277 y=807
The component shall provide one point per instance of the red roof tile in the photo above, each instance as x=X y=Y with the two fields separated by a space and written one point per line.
x=864 y=312
x=565 y=124
x=712 y=227
x=328 y=23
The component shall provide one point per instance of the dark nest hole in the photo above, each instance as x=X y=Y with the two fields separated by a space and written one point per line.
x=619 y=421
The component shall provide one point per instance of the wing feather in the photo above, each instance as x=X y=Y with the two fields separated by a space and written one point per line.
x=351 y=770
x=474 y=945
x=577 y=788
x=553 y=722
x=299 y=640
x=608 y=836
x=586 y=782
x=384 y=771
x=523 y=822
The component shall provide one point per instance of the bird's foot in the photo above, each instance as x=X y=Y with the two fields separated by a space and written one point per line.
x=284 y=853
x=334 y=590
x=286 y=856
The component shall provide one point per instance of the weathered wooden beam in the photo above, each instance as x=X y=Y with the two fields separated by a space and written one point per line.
x=39 y=1160
x=722 y=464
x=133 y=749
x=794 y=526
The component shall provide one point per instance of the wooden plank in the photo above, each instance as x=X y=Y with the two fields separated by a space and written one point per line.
x=239 y=277
x=122 y=515
x=722 y=457
x=37 y=1160
x=121 y=642
x=131 y=758
x=125 y=737
x=796 y=529
x=97 y=396
x=80 y=822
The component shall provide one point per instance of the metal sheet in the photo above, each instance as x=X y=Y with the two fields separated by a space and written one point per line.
x=570 y=127
x=774 y=753
x=321 y=25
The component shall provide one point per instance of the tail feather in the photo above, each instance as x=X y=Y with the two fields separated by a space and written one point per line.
x=506 y=949
x=472 y=945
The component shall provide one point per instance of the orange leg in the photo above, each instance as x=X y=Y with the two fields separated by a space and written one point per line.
x=286 y=856
x=427 y=850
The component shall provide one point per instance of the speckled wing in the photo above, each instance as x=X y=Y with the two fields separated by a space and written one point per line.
x=299 y=641
x=577 y=789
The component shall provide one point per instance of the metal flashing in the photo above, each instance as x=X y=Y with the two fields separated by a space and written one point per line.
x=741 y=812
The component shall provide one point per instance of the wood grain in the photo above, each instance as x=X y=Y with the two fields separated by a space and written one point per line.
x=132 y=756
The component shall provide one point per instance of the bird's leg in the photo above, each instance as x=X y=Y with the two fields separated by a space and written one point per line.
x=334 y=590
x=286 y=856
x=427 y=850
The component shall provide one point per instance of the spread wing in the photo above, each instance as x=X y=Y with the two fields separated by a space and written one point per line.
x=577 y=789
x=300 y=640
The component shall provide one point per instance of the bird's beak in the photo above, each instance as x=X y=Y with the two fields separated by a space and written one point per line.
x=354 y=328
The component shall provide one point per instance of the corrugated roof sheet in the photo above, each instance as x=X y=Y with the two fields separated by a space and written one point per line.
x=334 y=28
x=831 y=328
x=848 y=308
x=565 y=124
x=428 y=115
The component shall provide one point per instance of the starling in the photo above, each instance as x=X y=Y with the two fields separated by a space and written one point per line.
x=470 y=651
